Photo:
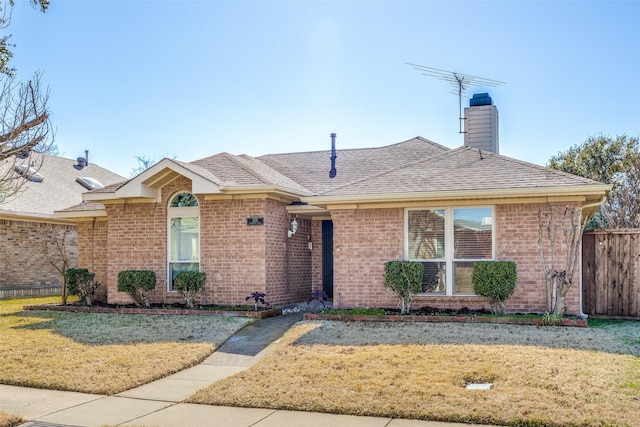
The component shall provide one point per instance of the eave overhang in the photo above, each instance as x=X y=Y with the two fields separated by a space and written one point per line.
x=149 y=183
x=95 y=213
x=33 y=217
x=587 y=194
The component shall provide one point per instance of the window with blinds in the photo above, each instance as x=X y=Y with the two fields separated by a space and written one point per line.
x=449 y=240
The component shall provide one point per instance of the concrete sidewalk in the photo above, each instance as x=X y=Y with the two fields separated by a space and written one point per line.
x=159 y=403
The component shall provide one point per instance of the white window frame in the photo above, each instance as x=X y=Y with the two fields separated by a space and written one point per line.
x=180 y=212
x=449 y=259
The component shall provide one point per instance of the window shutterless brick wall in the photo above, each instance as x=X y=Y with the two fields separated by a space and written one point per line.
x=237 y=258
x=92 y=250
x=365 y=239
x=517 y=231
x=22 y=244
x=316 y=255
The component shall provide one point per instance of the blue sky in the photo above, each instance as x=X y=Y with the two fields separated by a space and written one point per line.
x=189 y=79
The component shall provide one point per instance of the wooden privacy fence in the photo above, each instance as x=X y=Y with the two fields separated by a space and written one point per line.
x=611 y=272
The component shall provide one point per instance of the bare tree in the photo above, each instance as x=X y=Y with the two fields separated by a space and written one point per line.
x=559 y=231
x=58 y=250
x=25 y=130
x=24 y=118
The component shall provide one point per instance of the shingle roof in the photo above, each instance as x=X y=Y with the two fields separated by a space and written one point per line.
x=409 y=167
x=246 y=170
x=463 y=168
x=311 y=169
x=59 y=189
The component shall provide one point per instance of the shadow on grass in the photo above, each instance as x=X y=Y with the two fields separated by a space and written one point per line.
x=622 y=337
x=118 y=329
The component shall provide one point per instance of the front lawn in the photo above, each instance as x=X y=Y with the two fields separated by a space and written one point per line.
x=540 y=376
x=101 y=353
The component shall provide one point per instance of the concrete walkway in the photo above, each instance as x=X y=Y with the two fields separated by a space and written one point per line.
x=158 y=403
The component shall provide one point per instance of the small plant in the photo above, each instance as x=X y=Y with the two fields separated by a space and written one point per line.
x=404 y=280
x=551 y=319
x=190 y=284
x=80 y=282
x=258 y=298
x=138 y=284
x=317 y=298
x=496 y=281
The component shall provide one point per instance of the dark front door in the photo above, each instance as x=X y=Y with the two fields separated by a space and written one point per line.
x=327 y=258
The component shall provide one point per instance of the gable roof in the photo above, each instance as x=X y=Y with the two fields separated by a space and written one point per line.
x=413 y=170
x=464 y=171
x=58 y=190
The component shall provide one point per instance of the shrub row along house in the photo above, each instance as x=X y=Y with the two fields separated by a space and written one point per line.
x=289 y=224
x=29 y=232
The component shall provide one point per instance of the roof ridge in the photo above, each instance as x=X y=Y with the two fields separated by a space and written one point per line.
x=388 y=171
x=420 y=138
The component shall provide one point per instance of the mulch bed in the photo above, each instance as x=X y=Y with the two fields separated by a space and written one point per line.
x=435 y=315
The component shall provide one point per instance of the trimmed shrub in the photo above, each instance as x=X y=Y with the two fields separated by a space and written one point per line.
x=80 y=282
x=138 y=284
x=496 y=281
x=189 y=284
x=403 y=279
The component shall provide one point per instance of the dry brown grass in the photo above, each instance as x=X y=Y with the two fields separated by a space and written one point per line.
x=101 y=353
x=314 y=369
x=8 y=420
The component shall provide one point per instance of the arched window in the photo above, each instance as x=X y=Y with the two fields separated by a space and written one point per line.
x=183 y=234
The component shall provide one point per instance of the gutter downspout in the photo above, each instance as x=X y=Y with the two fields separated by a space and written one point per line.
x=588 y=205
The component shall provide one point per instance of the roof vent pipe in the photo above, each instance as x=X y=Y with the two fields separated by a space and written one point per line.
x=333 y=171
x=82 y=161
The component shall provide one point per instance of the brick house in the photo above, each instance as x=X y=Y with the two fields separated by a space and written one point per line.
x=287 y=224
x=27 y=222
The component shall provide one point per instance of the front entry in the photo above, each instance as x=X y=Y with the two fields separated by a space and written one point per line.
x=327 y=258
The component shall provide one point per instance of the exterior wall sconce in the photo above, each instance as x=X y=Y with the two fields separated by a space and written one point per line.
x=294 y=228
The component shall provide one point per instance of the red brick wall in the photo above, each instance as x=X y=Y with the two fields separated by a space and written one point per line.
x=92 y=252
x=238 y=258
x=22 y=244
x=288 y=258
x=517 y=228
x=232 y=252
x=137 y=234
x=364 y=240
x=316 y=255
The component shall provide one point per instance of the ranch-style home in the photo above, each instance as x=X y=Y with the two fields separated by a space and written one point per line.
x=289 y=224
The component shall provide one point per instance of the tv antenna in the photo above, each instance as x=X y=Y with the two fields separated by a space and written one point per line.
x=460 y=82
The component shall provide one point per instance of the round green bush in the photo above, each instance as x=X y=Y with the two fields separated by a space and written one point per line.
x=494 y=280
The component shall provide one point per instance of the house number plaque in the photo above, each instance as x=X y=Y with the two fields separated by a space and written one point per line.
x=255 y=220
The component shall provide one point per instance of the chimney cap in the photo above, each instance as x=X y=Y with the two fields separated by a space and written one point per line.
x=480 y=99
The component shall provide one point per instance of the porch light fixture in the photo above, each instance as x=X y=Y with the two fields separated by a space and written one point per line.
x=294 y=227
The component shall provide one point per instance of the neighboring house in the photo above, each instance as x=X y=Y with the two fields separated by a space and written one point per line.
x=280 y=224
x=27 y=223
